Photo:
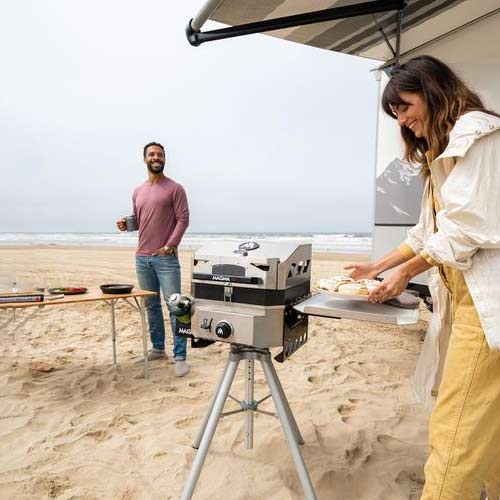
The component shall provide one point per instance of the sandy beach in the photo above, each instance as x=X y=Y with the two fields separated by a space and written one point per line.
x=73 y=426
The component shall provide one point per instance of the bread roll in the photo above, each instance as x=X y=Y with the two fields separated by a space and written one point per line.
x=332 y=284
x=370 y=284
x=353 y=289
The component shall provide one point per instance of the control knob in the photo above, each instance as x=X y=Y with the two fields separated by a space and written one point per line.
x=224 y=329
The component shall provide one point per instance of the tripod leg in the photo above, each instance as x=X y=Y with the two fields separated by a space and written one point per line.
x=289 y=431
x=249 y=386
x=212 y=421
x=300 y=439
x=197 y=441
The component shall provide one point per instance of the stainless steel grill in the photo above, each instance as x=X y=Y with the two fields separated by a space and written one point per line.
x=245 y=293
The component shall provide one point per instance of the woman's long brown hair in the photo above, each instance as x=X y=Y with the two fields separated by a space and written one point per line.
x=446 y=96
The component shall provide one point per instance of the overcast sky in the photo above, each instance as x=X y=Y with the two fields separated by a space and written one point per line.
x=264 y=134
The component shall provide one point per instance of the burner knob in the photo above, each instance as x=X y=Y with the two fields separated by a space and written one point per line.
x=223 y=329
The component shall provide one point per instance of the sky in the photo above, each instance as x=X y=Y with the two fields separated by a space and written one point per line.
x=265 y=135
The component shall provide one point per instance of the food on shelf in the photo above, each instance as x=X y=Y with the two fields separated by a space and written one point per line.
x=332 y=284
x=346 y=285
x=355 y=288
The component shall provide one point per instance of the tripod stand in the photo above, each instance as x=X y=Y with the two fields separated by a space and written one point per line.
x=248 y=407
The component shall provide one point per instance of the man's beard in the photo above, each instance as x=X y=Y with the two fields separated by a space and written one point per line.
x=156 y=169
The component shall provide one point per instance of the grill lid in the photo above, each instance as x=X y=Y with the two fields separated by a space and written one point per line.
x=252 y=251
x=272 y=265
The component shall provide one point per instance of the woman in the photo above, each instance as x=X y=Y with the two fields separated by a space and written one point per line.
x=446 y=128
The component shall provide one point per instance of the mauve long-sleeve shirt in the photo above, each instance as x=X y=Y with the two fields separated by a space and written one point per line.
x=162 y=213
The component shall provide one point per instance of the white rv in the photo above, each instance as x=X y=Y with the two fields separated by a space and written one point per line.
x=463 y=33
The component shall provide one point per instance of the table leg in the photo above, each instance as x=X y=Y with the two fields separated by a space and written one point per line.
x=14 y=345
x=113 y=330
x=142 y=310
x=9 y=324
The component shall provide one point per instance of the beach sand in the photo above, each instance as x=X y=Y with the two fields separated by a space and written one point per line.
x=73 y=426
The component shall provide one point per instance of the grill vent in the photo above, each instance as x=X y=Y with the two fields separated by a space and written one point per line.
x=228 y=269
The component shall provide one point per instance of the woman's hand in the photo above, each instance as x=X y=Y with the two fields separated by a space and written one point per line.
x=362 y=271
x=392 y=286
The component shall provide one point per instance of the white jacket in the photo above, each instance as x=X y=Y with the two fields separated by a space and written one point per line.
x=466 y=180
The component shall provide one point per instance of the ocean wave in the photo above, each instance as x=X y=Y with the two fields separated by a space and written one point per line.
x=359 y=243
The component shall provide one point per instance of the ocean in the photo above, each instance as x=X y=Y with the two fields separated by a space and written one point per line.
x=356 y=243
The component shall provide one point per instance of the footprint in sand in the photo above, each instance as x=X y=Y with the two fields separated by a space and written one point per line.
x=357 y=454
x=94 y=388
x=359 y=450
x=413 y=480
x=98 y=434
x=50 y=486
x=27 y=387
x=122 y=421
x=345 y=411
x=185 y=422
x=168 y=388
x=319 y=380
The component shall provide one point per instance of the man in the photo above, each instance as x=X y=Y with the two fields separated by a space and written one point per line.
x=162 y=212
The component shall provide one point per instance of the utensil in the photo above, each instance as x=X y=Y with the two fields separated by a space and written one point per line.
x=54 y=297
x=78 y=290
x=116 y=288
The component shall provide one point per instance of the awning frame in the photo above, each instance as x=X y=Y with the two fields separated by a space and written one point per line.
x=196 y=37
x=389 y=65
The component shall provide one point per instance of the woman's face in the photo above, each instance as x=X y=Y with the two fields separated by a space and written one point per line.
x=412 y=115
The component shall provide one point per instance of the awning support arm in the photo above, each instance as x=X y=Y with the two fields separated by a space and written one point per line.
x=196 y=37
x=384 y=36
x=398 y=35
x=399 y=27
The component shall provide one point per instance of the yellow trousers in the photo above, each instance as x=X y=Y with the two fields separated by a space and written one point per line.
x=465 y=423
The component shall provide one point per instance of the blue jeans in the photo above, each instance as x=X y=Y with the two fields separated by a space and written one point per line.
x=154 y=273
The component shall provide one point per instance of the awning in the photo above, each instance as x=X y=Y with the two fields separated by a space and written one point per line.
x=367 y=29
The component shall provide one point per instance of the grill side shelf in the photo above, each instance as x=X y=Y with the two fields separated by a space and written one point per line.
x=331 y=307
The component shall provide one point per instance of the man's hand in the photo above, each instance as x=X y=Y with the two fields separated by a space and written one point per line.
x=166 y=250
x=121 y=224
x=362 y=271
x=392 y=286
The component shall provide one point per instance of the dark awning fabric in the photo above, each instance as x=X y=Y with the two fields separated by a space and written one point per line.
x=423 y=21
